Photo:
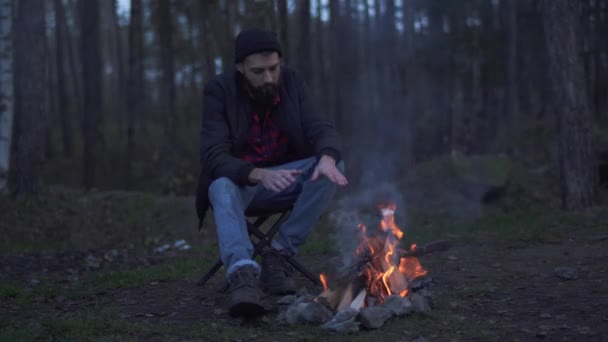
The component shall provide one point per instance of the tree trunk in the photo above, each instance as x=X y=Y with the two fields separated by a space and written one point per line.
x=512 y=67
x=320 y=60
x=74 y=59
x=304 y=55
x=335 y=54
x=578 y=172
x=283 y=28
x=260 y=13
x=207 y=44
x=134 y=85
x=6 y=89
x=168 y=91
x=438 y=83
x=120 y=85
x=92 y=83
x=62 y=96
x=31 y=97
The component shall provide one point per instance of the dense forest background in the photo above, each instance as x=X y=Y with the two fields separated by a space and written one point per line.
x=108 y=92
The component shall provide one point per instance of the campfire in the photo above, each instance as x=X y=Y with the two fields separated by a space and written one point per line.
x=377 y=269
x=377 y=280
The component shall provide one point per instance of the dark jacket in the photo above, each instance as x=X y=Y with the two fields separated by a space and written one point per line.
x=227 y=118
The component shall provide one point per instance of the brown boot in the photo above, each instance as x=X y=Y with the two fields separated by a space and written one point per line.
x=245 y=294
x=276 y=277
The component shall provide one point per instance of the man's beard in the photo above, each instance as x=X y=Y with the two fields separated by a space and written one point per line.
x=264 y=94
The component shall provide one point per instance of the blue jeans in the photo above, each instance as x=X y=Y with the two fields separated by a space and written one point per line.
x=229 y=202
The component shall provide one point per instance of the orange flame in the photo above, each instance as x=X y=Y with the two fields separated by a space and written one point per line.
x=384 y=272
x=323 y=279
x=387 y=275
x=388 y=221
x=411 y=266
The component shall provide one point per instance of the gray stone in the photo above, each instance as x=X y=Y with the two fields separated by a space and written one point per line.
x=307 y=312
x=374 y=317
x=281 y=316
x=304 y=299
x=419 y=284
x=420 y=303
x=302 y=292
x=567 y=273
x=344 y=322
x=398 y=305
x=287 y=300
x=345 y=314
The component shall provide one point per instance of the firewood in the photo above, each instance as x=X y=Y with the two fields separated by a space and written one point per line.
x=347 y=298
x=431 y=247
x=329 y=298
x=359 y=300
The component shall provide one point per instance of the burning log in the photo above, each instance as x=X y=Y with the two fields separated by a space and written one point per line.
x=378 y=269
x=366 y=259
x=329 y=298
x=431 y=247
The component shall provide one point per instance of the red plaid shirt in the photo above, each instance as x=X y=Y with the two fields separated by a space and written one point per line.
x=266 y=145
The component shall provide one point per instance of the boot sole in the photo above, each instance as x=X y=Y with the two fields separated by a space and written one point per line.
x=246 y=309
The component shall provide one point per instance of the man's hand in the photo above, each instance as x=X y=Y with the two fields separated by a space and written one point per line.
x=274 y=180
x=327 y=167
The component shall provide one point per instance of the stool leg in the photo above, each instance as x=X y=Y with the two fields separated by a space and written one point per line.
x=304 y=271
x=210 y=274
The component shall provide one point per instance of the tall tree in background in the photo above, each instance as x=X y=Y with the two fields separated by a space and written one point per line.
x=31 y=96
x=118 y=62
x=208 y=46
x=304 y=55
x=578 y=172
x=62 y=96
x=283 y=27
x=167 y=88
x=134 y=84
x=6 y=89
x=512 y=100
x=91 y=72
x=260 y=13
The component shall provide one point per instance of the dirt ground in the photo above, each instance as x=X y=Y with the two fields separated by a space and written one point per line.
x=482 y=289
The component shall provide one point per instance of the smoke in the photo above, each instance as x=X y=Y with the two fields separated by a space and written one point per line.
x=376 y=157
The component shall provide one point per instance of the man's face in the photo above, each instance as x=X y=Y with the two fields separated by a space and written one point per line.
x=262 y=71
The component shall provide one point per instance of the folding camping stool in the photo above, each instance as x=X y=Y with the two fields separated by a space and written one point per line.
x=264 y=241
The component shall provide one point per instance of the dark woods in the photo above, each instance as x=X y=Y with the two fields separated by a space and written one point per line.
x=109 y=96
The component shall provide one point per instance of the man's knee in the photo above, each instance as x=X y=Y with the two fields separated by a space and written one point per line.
x=223 y=190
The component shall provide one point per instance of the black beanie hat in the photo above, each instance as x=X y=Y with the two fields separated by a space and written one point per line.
x=255 y=40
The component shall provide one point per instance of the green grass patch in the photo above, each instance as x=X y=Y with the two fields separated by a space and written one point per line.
x=21 y=296
x=89 y=323
x=538 y=225
x=319 y=245
x=486 y=169
x=8 y=290
x=140 y=208
x=141 y=276
x=16 y=333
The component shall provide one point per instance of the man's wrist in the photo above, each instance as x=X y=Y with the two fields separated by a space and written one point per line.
x=255 y=176
x=327 y=157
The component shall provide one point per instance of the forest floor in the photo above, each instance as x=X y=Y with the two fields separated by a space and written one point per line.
x=91 y=265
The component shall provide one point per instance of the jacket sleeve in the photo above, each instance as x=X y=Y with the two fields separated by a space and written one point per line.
x=318 y=128
x=216 y=140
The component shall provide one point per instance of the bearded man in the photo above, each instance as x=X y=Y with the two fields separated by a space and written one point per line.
x=263 y=145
